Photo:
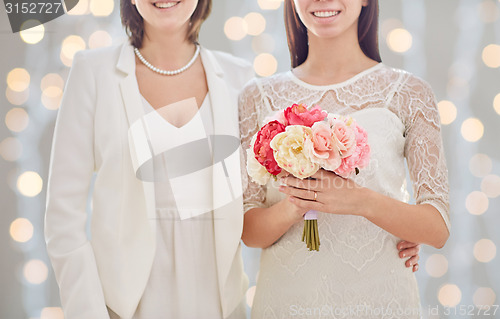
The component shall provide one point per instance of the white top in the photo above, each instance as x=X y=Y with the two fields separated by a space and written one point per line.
x=357 y=264
x=183 y=280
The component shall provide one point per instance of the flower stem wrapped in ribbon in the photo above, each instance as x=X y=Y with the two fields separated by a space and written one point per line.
x=300 y=141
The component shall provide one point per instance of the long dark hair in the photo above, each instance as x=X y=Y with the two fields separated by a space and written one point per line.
x=296 y=33
x=134 y=24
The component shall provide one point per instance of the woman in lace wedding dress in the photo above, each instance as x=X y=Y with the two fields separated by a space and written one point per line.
x=357 y=273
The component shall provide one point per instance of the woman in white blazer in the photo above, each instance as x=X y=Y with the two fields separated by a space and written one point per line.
x=136 y=263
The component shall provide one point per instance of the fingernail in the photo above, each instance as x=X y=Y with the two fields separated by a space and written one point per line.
x=404 y=255
x=416 y=267
x=282 y=188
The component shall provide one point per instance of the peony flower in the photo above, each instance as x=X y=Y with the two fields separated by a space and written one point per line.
x=298 y=114
x=256 y=171
x=290 y=153
x=361 y=155
x=262 y=150
x=324 y=147
x=343 y=130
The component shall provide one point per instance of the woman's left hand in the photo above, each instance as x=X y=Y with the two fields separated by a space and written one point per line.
x=325 y=192
x=409 y=251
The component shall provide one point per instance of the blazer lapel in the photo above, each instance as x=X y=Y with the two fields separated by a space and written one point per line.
x=228 y=219
x=134 y=110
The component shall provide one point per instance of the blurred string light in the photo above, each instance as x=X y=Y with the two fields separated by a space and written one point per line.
x=472 y=129
x=399 y=40
x=449 y=295
x=480 y=165
x=101 y=8
x=17 y=120
x=477 y=203
x=491 y=55
x=18 y=80
x=484 y=297
x=265 y=64
x=496 y=103
x=52 y=90
x=17 y=98
x=32 y=31
x=81 y=8
x=29 y=184
x=35 y=271
x=52 y=313
x=490 y=185
x=70 y=46
x=21 y=230
x=485 y=250
x=269 y=4
x=256 y=23
x=447 y=112
x=235 y=28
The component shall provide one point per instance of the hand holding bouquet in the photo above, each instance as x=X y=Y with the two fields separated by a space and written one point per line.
x=300 y=141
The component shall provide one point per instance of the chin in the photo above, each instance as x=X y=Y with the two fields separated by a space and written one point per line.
x=167 y=25
x=326 y=33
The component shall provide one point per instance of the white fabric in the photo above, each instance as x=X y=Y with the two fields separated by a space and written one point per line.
x=357 y=267
x=184 y=270
x=111 y=267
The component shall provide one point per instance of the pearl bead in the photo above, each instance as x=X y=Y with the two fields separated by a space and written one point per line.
x=167 y=72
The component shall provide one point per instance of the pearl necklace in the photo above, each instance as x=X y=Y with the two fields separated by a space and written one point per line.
x=166 y=72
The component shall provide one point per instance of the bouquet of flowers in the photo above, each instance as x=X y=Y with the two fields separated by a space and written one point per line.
x=300 y=141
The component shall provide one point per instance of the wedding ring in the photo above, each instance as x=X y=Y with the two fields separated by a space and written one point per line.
x=315 y=195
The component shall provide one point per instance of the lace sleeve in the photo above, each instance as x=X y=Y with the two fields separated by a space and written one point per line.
x=423 y=146
x=254 y=195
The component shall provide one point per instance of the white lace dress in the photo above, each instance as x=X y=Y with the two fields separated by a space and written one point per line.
x=357 y=273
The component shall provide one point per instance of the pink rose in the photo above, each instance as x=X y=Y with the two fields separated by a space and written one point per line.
x=344 y=133
x=298 y=114
x=262 y=149
x=361 y=155
x=324 y=147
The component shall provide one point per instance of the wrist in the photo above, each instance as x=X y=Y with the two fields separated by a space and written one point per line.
x=290 y=212
x=367 y=203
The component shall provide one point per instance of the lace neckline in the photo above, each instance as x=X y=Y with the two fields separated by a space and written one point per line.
x=298 y=81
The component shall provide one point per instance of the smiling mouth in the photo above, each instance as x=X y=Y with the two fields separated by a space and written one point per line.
x=325 y=14
x=165 y=5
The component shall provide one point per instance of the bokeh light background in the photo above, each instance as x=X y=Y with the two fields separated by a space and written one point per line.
x=453 y=44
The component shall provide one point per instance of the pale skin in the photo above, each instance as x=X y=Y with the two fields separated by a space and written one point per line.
x=415 y=224
x=164 y=29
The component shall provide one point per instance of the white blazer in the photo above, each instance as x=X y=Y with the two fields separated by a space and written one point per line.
x=100 y=102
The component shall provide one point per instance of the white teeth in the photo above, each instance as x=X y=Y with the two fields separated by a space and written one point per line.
x=325 y=14
x=163 y=5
